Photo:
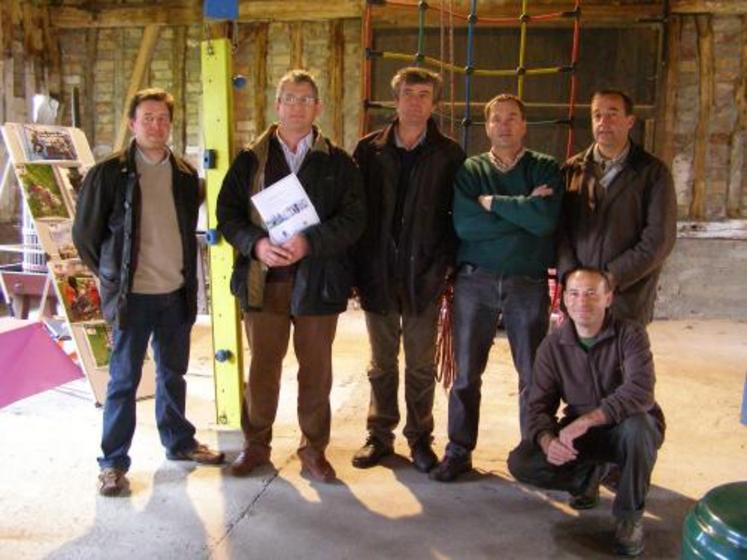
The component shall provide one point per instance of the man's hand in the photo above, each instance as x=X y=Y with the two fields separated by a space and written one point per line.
x=574 y=430
x=298 y=247
x=486 y=201
x=542 y=191
x=556 y=451
x=270 y=254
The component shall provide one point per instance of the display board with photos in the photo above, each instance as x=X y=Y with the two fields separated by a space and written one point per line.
x=50 y=163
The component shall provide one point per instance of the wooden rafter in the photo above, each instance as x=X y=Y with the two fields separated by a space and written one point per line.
x=139 y=72
x=716 y=7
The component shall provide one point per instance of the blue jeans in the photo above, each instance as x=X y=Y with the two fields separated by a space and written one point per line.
x=165 y=317
x=479 y=297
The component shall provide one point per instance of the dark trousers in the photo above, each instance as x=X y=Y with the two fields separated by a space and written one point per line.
x=418 y=335
x=164 y=316
x=268 y=333
x=632 y=445
x=479 y=297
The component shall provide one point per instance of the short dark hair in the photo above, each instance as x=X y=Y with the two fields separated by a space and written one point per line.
x=626 y=99
x=297 y=76
x=505 y=98
x=414 y=75
x=151 y=94
x=589 y=269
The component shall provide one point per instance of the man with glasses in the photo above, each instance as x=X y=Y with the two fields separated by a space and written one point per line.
x=402 y=261
x=602 y=369
x=304 y=283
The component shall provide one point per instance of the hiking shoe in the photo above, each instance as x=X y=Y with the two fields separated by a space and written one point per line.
x=423 y=457
x=112 y=482
x=200 y=453
x=589 y=497
x=372 y=452
x=629 y=537
x=450 y=468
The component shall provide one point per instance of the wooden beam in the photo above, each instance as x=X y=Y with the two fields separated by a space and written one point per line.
x=89 y=112
x=189 y=13
x=669 y=87
x=702 y=137
x=336 y=73
x=139 y=72
x=737 y=176
x=260 y=77
x=716 y=7
x=296 y=44
x=178 y=56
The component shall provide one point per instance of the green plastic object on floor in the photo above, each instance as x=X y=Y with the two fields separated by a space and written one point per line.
x=716 y=528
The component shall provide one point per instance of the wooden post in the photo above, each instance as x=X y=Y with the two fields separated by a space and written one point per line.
x=260 y=77
x=669 y=87
x=337 y=79
x=296 y=45
x=737 y=175
x=702 y=132
x=89 y=112
x=139 y=72
x=178 y=90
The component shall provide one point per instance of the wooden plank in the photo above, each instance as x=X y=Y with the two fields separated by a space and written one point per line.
x=189 y=13
x=217 y=110
x=706 y=67
x=139 y=72
x=337 y=79
x=716 y=7
x=262 y=34
x=89 y=104
x=178 y=64
x=668 y=108
x=296 y=44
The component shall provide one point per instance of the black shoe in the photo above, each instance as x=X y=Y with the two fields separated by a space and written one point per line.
x=589 y=497
x=372 y=452
x=629 y=537
x=450 y=468
x=423 y=457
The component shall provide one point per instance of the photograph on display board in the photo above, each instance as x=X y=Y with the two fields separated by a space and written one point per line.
x=99 y=339
x=80 y=296
x=42 y=192
x=71 y=178
x=48 y=143
x=56 y=239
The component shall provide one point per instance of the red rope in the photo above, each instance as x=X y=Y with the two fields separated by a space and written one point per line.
x=445 y=364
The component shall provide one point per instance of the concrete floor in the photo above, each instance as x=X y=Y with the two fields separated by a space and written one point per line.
x=49 y=507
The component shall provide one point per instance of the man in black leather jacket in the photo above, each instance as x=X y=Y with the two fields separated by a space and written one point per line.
x=402 y=261
x=135 y=229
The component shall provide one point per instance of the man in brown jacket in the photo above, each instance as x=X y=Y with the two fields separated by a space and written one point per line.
x=620 y=209
x=602 y=368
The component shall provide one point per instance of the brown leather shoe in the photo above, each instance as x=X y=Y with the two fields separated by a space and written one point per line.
x=252 y=457
x=315 y=464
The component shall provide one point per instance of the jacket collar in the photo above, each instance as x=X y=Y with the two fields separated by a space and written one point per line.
x=386 y=138
x=636 y=158
x=568 y=336
x=127 y=160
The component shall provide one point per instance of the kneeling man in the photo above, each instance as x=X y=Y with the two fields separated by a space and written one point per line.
x=602 y=368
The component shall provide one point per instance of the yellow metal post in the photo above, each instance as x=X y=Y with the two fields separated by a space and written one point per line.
x=224 y=311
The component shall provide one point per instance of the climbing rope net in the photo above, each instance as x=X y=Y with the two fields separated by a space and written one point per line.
x=447 y=16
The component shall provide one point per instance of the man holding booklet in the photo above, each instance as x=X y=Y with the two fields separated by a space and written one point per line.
x=292 y=266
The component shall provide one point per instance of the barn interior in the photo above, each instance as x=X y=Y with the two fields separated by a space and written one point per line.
x=684 y=62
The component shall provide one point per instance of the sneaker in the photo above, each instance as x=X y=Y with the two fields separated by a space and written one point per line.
x=450 y=468
x=589 y=497
x=423 y=457
x=371 y=454
x=112 y=482
x=629 y=537
x=200 y=453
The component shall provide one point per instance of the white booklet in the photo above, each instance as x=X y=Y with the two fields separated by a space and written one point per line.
x=285 y=208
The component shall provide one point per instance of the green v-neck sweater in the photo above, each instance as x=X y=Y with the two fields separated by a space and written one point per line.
x=517 y=236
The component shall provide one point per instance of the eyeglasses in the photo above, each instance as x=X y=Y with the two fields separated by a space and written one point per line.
x=290 y=99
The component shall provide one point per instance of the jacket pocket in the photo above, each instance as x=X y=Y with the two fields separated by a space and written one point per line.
x=337 y=281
